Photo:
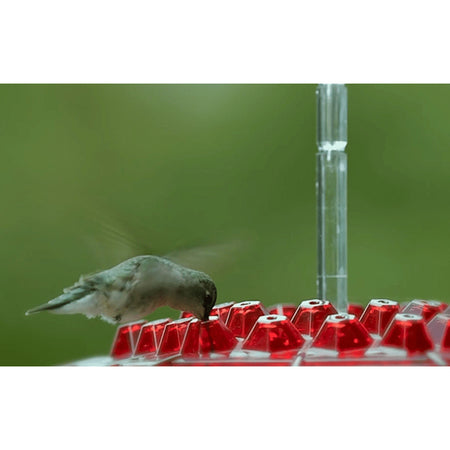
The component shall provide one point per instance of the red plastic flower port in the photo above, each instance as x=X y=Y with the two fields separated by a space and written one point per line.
x=204 y=338
x=243 y=316
x=273 y=333
x=425 y=308
x=186 y=315
x=344 y=334
x=172 y=337
x=439 y=330
x=311 y=314
x=408 y=331
x=283 y=310
x=125 y=339
x=221 y=311
x=150 y=337
x=378 y=315
x=356 y=309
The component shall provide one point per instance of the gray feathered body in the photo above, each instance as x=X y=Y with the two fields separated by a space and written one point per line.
x=134 y=289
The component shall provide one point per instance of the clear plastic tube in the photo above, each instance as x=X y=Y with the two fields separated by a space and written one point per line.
x=331 y=190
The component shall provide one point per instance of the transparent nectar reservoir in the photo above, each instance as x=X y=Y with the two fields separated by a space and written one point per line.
x=331 y=192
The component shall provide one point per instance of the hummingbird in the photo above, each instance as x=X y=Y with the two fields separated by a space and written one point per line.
x=133 y=289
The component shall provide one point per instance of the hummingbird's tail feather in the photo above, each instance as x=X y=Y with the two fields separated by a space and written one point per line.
x=45 y=307
x=77 y=292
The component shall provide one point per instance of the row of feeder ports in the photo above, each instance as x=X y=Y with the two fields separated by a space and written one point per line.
x=384 y=330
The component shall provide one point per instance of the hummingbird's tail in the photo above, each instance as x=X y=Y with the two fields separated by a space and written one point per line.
x=71 y=295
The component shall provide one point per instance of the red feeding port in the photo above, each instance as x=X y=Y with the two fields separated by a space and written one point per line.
x=378 y=314
x=344 y=334
x=204 y=338
x=408 y=331
x=191 y=344
x=221 y=311
x=172 y=337
x=186 y=315
x=243 y=316
x=126 y=338
x=150 y=337
x=283 y=310
x=273 y=333
x=356 y=309
x=425 y=308
x=439 y=330
x=311 y=314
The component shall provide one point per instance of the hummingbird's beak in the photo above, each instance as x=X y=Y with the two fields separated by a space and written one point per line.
x=206 y=315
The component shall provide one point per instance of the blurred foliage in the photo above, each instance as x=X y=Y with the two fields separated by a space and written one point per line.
x=185 y=165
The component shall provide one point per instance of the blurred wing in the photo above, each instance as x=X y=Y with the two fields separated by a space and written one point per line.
x=112 y=242
x=208 y=258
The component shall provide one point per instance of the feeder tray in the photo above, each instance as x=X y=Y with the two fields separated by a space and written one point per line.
x=246 y=334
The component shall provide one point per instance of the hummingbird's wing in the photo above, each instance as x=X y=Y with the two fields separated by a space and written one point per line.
x=117 y=240
x=111 y=241
x=207 y=258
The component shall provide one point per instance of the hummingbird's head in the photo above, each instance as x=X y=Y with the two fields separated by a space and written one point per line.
x=201 y=295
x=196 y=295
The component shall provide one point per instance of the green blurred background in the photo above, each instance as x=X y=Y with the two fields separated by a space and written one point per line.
x=183 y=165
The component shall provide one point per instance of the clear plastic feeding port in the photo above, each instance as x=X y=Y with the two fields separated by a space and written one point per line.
x=313 y=333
